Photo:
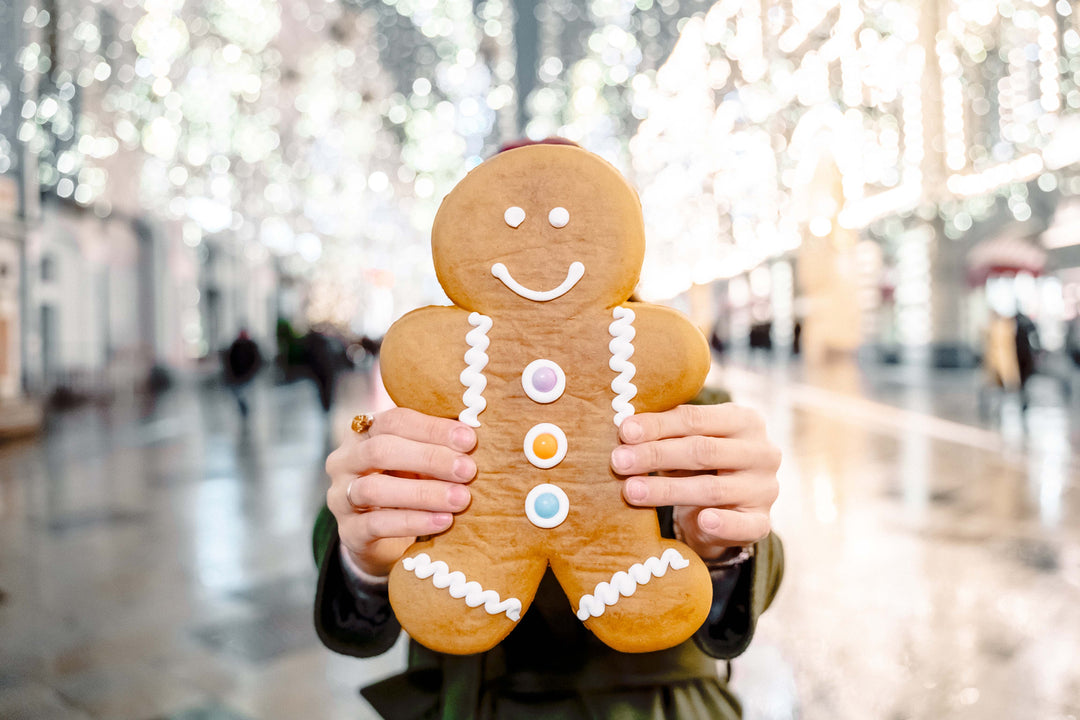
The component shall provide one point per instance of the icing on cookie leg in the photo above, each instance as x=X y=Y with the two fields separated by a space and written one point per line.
x=636 y=606
x=457 y=595
x=626 y=583
x=459 y=587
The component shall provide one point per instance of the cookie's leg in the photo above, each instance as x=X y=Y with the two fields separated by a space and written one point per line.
x=457 y=594
x=635 y=590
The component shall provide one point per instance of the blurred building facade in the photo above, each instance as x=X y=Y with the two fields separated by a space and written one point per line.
x=182 y=170
x=867 y=175
x=910 y=165
x=14 y=208
x=99 y=288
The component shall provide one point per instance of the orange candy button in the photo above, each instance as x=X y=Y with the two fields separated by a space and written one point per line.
x=545 y=446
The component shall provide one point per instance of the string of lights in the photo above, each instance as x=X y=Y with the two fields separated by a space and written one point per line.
x=325 y=134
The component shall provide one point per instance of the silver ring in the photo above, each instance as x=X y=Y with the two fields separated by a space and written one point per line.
x=352 y=503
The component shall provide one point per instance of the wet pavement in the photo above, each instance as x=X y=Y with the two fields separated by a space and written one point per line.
x=933 y=565
x=155 y=559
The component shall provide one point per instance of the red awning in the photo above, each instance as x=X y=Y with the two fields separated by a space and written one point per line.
x=1004 y=255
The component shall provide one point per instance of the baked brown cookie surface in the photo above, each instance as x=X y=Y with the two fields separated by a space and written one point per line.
x=540 y=248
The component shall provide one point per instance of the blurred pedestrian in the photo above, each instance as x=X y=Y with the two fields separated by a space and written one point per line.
x=371 y=346
x=242 y=362
x=290 y=352
x=1000 y=365
x=1028 y=349
x=761 y=336
x=1072 y=340
x=716 y=338
x=999 y=353
x=325 y=357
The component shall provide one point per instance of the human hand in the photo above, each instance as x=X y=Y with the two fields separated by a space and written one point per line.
x=721 y=472
x=403 y=477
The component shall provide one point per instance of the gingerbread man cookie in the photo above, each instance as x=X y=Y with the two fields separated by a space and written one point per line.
x=540 y=248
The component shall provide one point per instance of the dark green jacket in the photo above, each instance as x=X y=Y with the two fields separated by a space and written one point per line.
x=550 y=654
x=550 y=665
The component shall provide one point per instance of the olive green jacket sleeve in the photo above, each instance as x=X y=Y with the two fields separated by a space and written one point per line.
x=730 y=626
x=359 y=623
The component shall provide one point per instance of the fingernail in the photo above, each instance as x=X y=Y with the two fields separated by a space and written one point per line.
x=464 y=468
x=441 y=520
x=457 y=496
x=631 y=431
x=622 y=458
x=636 y=490
x=463 y=439
x=709 y=520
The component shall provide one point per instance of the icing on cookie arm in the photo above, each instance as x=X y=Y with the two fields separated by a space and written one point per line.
x=664 y=339
x=472 y=377
x=621 y=347
x=422 y=357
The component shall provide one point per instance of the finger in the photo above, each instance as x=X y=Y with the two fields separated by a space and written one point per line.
x=397 y=454
x=417 y=426
x=724 y=420
x=362 y=529
x=336 y=459
x=737 y=490
x=696 y=452
x=383 y=491
x=732 y=527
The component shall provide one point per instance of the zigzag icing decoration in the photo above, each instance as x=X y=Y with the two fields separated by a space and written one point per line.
x=459 y=587
x=472 y=377
x=626 y=583
x=622 y=347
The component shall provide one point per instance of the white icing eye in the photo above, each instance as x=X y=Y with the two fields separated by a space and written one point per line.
x=558 y=217
x=514 y=216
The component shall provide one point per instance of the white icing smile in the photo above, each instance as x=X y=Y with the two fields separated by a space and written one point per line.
x=576 y=271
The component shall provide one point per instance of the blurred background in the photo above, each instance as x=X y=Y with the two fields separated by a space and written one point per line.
x=870 y=207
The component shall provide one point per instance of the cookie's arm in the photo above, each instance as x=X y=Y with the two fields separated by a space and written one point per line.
x=671 y=358
x=422 y=357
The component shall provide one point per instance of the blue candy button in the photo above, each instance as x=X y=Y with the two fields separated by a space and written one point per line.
x=547 y=505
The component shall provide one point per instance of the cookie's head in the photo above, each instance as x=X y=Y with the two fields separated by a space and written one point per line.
x=539 y=226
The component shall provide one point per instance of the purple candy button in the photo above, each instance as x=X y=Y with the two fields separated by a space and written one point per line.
x=544 y=379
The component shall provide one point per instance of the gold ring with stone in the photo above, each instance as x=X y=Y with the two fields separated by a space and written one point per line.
x=361 y=423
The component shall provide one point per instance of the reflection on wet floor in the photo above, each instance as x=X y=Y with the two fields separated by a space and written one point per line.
x=155 y=560
x=934 y=566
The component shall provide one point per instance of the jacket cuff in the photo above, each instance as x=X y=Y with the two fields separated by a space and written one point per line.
x=352 y=618
x=355 y=577
x=749 y=589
